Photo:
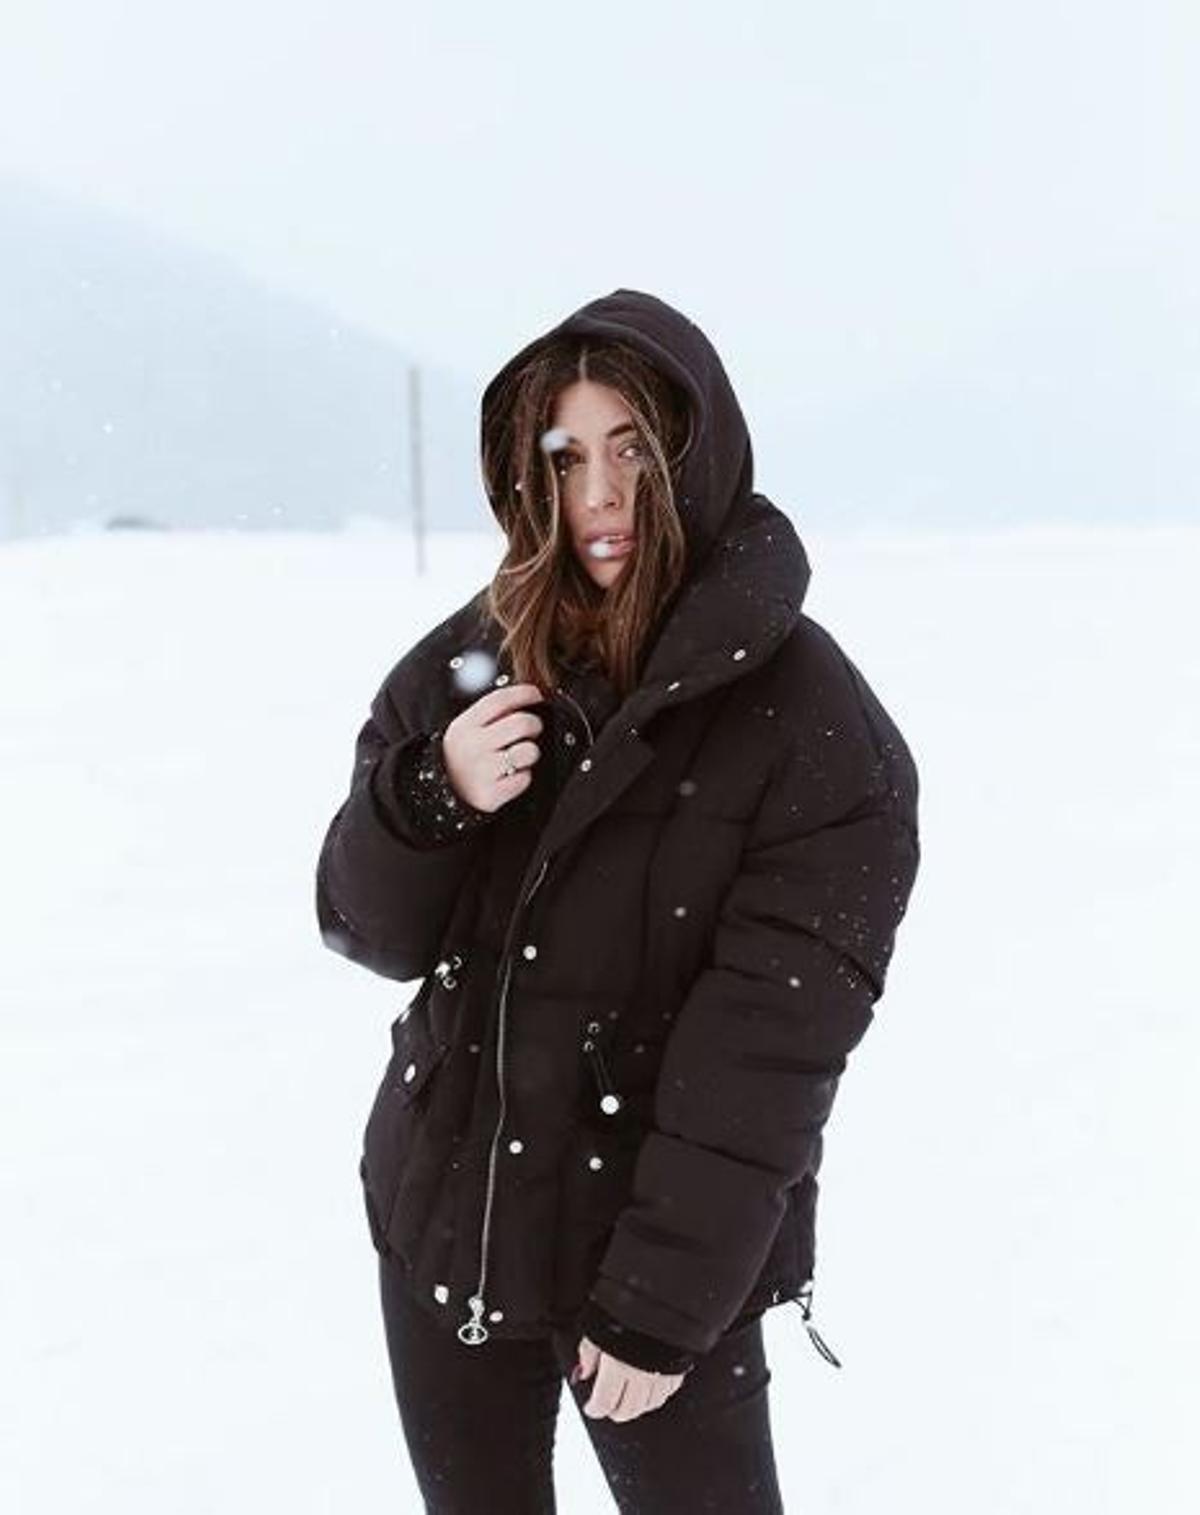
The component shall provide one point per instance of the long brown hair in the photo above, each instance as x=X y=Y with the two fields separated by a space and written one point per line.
x=551 y=610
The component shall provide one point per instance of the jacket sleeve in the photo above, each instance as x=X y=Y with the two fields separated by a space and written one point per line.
x=750 y=1069
x=632 y=1347
x=430 y=811
x=397 y=852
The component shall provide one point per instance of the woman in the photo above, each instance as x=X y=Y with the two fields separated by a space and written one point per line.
x=645 y=835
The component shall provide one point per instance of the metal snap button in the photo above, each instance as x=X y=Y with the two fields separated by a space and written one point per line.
x=586 y=765
x=610 y=1104
x=441 y=1293
x=410 y=1073
x=529 y=951
x=445 y=970
x=595 y=1163
x=516 y=1145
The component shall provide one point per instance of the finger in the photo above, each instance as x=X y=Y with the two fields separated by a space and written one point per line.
x=511 y=728
x=617 y=1400
x=664 y=1386
x=636 y=1400
x=499 y=702
x=609 y=1387
x=523 y=755
x=588 y=1354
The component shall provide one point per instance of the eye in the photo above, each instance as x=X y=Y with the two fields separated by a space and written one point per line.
x=564 y=457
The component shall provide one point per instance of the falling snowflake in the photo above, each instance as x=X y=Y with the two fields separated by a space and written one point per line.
x=472 y=670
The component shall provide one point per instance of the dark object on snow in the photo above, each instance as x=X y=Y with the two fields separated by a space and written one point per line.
x=133 y=523
x=641 y=979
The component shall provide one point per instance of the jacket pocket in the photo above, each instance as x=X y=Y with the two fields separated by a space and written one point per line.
x=416 y=1053
x=398 y=1107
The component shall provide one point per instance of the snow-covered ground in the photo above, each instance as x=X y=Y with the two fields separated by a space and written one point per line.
x=1008 y=1227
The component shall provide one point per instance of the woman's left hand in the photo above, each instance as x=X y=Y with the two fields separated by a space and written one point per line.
x=621 y=1392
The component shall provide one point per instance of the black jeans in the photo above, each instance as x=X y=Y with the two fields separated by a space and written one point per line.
x=479 y=1423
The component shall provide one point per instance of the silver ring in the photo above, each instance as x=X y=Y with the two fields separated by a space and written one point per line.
x=509 y=766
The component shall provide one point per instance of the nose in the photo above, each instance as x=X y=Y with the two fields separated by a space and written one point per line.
x=600 y=487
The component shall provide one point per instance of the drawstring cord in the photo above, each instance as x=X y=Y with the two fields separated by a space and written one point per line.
x=804 y=1300
x=610 y=1100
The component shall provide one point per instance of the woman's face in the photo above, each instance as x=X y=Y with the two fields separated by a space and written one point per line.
x=599 y=459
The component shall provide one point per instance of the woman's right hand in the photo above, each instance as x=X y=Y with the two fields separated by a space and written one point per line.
x=473 y=746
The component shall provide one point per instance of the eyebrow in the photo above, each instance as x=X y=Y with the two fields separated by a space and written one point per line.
x=614 y=431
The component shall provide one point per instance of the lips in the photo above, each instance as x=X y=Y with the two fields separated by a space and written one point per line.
x=610 y=546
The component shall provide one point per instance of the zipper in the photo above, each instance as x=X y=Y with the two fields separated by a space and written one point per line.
x=804 y=1300
x=565 y=696
x=473 y=1331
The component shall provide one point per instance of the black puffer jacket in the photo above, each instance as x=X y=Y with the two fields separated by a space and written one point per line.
x=640 y=980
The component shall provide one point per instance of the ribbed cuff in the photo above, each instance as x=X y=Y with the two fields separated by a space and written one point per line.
x=633 y=1347
x=432 y=812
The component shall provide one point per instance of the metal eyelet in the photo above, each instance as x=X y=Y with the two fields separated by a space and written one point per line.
x=447 y=969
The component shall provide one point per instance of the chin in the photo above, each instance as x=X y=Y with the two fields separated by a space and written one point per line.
x=603 y=571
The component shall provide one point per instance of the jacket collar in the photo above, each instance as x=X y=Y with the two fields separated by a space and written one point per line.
x=727 y=620
x=732 y=614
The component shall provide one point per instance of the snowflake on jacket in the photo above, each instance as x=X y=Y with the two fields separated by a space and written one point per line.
x=433 y=810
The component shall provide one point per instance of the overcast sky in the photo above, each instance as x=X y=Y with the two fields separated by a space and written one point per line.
x=839 y=193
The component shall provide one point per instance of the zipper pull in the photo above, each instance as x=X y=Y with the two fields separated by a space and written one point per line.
x=473 y=1331
x=804 y=1300
x=610 y=1100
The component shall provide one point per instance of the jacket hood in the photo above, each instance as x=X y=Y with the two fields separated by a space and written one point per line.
x=747 y=571
x=719 y=466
